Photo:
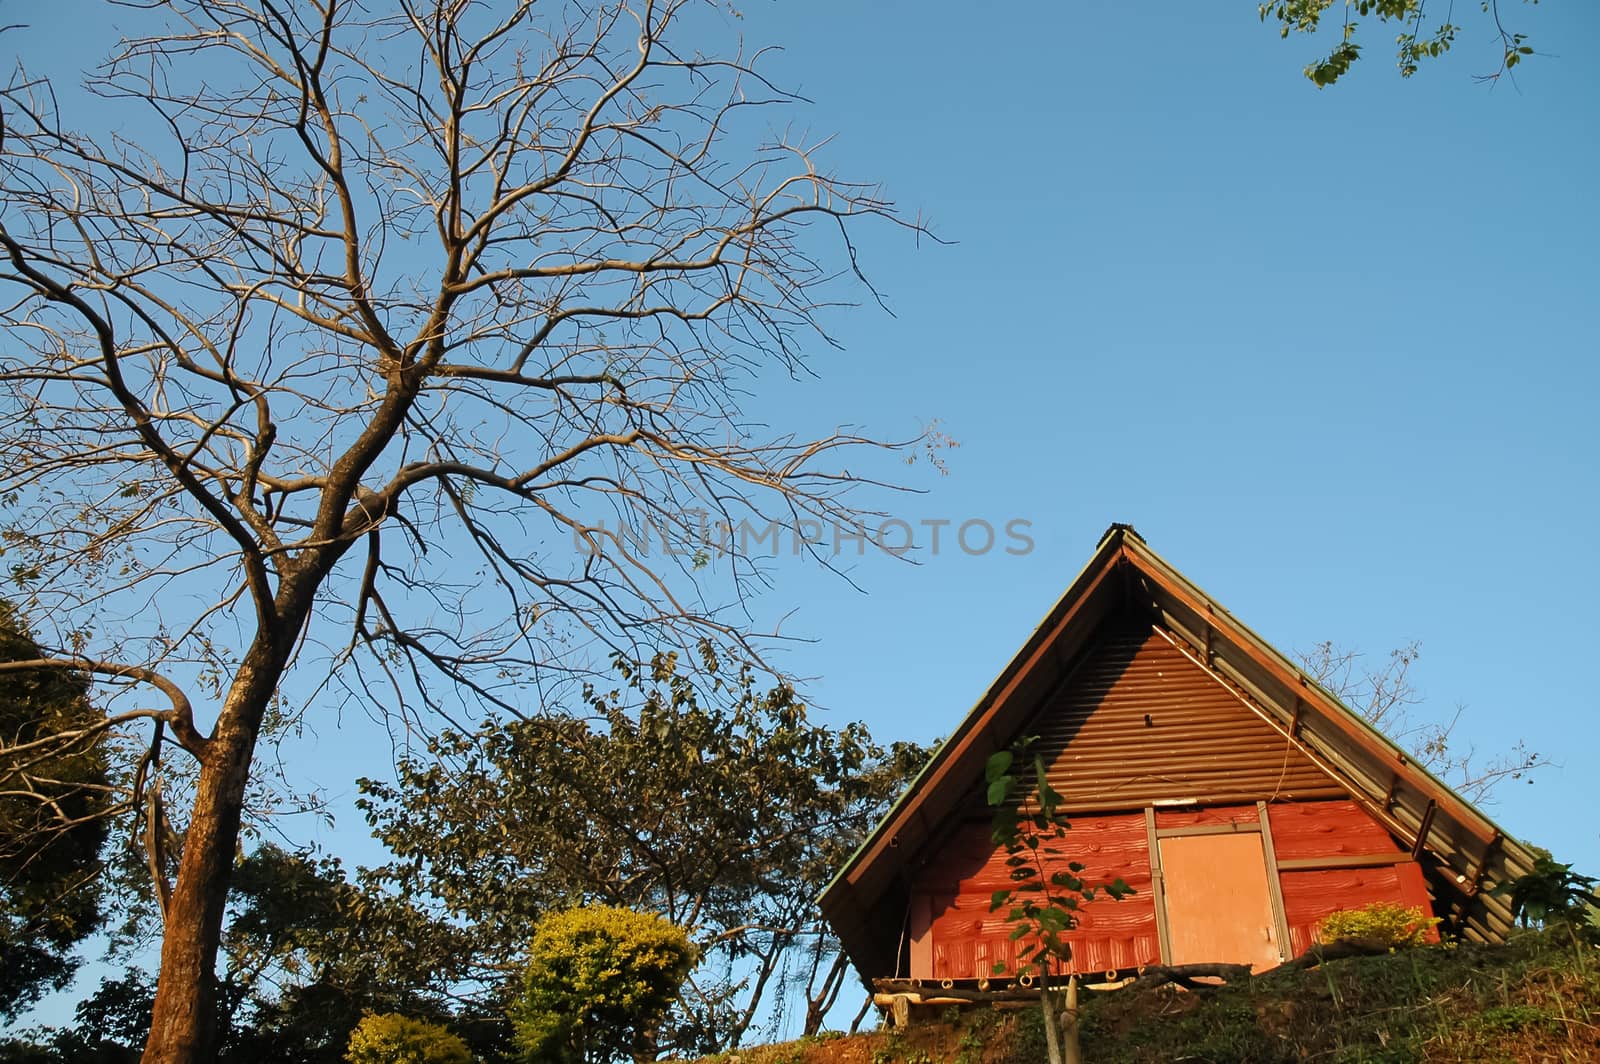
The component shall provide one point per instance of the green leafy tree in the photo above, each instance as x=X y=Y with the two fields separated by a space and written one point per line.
x=600 y=979
x=1417 y=37
x=109 y=1028
x=1047 y=891
x=305 y=956
x=55 y=800
x=388 y=1038
x=698 y=795
x=308 y=953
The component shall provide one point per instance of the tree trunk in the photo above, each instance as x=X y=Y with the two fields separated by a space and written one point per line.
x=817 y=1007
x=1052 y=1026
x=855 y=1024
x=182 y=1029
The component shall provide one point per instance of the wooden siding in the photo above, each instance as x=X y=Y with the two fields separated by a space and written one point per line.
x=1212 y=816
x=1139 y=723
x=1308 y=897
x=955 y=936
x=1324 y=829
x=1334 y=830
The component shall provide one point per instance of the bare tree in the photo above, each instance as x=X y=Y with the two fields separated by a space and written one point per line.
x=354 y=319
x=1385 y=696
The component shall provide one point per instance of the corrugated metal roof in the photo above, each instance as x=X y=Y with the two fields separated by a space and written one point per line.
x=1140 y=723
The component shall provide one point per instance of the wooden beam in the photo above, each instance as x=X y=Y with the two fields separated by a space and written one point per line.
x=1483 y=864
x=1206 y=829
x=1421 y=844
x=1343 y=860
x=1280 y=914
x=1158 y=885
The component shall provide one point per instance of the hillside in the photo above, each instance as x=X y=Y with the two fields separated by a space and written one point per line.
x=1535 y=999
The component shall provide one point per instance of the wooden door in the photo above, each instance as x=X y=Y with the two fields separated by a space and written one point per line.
x=1218 y=906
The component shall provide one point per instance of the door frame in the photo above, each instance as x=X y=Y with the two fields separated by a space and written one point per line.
x=1262 y=827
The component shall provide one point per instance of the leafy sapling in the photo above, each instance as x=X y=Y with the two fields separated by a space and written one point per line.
x=1553 y=894
x=1045 y=895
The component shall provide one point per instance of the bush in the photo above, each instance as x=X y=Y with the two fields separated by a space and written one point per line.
x=599 y=981
x=1381 y=923
x=393 y=1039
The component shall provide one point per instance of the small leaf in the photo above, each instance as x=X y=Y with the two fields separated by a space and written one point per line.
x=999 y=790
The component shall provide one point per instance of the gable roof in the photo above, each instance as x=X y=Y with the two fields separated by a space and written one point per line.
x=1467 y=849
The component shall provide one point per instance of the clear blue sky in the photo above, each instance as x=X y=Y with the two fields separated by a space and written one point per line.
x=1333 y=353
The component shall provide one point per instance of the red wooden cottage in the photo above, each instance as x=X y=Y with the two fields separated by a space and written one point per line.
x=1240 y=799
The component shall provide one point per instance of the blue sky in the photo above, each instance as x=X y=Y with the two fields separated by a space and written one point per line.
x=1333 y=353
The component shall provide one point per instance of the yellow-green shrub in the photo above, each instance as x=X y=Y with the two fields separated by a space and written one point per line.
x=599 y=981
x=389 y=1038
x=1381 y=922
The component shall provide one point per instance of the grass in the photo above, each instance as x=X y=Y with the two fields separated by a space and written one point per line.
x=1534 y=999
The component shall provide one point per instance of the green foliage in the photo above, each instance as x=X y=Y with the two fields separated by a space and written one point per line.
x=890 y=1050
x=54 y=801
x=1532 y=999
x=305 y=955
x=1414 y=42
x=695 y=790
x=1046 y=893
x=308 y=954
x=1396 y=926
x=1552 y=893
x=599 y=981
x=1506 y=1019
x=394 y=1039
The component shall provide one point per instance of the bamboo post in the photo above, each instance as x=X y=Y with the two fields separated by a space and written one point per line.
x=1074 y=1049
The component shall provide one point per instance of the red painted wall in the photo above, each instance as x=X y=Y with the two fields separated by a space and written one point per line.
x=952 y=934
x=1342 y=828
x=955 y=936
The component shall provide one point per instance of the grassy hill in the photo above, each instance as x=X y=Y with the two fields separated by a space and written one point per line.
x=1535 y=999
